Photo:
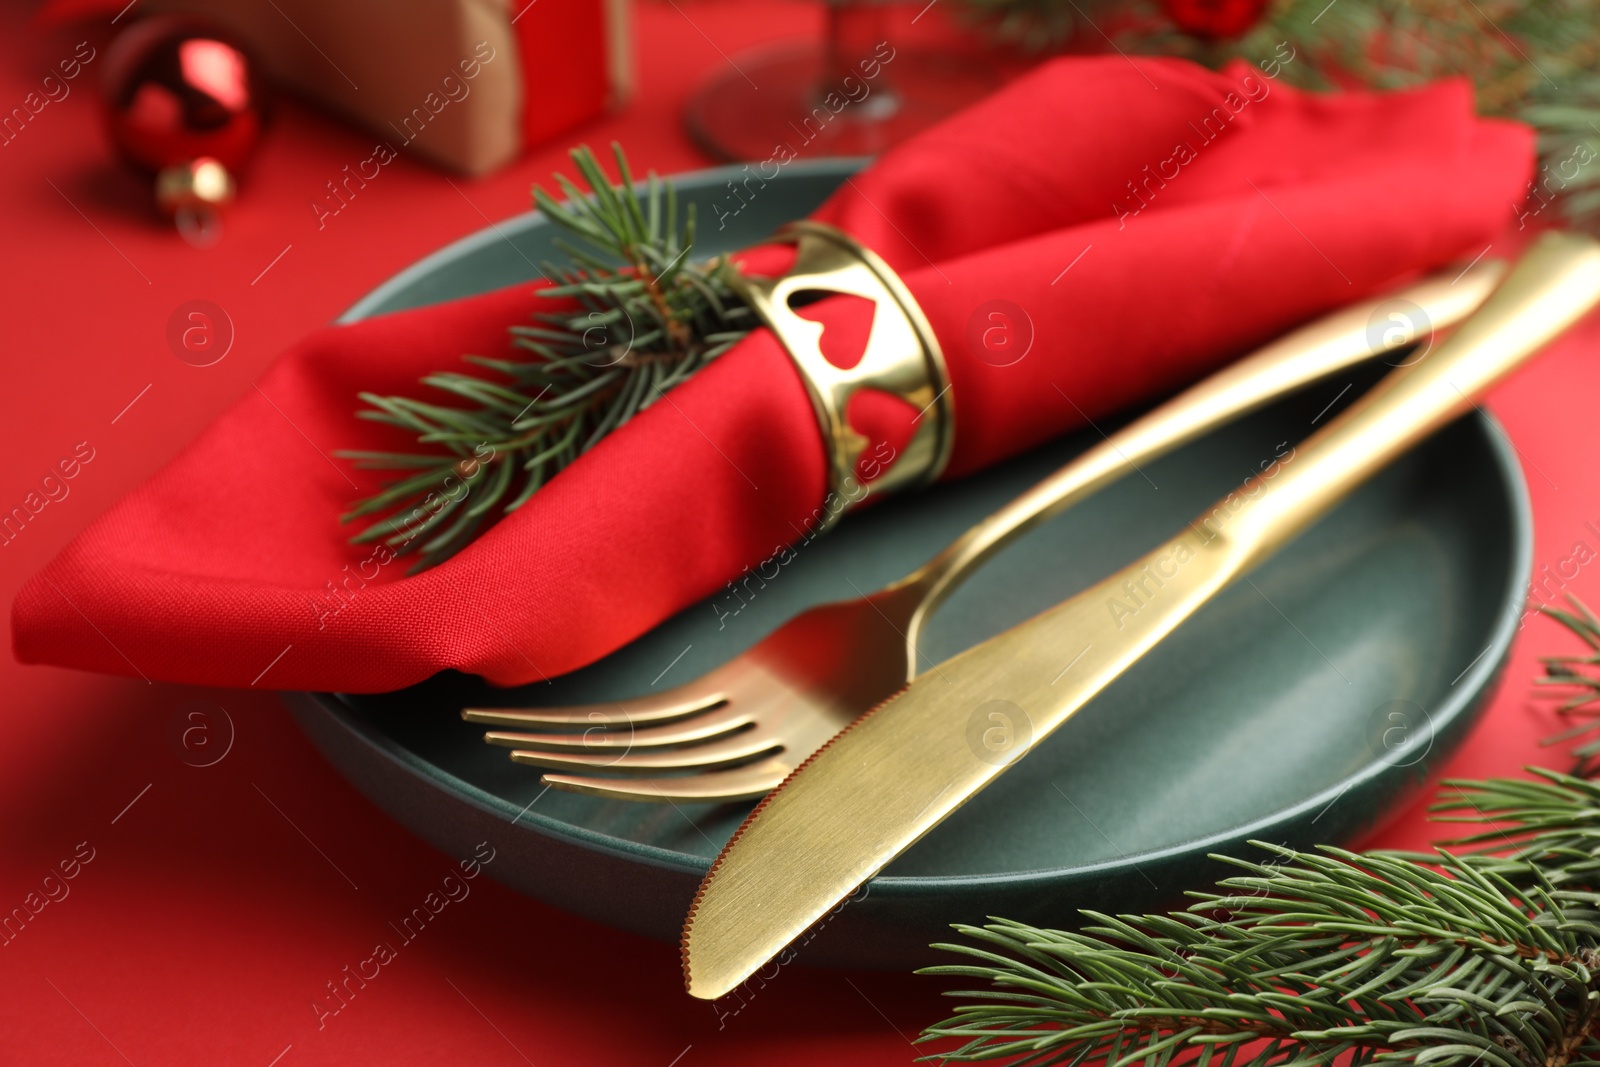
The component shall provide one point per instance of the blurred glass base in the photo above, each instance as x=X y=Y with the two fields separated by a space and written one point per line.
x=855 y=93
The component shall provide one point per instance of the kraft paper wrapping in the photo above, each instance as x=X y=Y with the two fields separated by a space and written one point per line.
x=441 y=79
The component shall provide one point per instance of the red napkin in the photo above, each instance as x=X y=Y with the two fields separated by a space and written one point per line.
x=1152 y=219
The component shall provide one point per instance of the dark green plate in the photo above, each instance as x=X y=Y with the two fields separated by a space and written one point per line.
x=1299 y=709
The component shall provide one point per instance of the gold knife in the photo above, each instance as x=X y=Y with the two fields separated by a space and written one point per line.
x=900 y=770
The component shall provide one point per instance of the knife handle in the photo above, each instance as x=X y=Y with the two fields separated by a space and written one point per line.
x=1318 y=350
x=1553 y=285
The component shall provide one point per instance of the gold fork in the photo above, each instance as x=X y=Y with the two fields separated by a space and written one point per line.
x=738 y=731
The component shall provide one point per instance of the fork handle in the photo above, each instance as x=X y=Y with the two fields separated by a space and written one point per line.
x=1324 y=347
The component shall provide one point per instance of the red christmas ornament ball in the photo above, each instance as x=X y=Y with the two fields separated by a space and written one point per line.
x=1214 y=20
x=182 y=99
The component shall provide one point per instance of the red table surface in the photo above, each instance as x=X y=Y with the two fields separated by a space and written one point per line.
x=220 y=901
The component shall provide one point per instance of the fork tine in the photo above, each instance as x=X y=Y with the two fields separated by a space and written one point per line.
x=740 y=748
x=695 y=731
x=661 y=708
x=742 y=783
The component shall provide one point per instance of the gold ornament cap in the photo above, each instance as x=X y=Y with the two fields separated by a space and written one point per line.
x=200 y=185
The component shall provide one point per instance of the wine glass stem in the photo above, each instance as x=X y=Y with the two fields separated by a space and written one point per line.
x=855 y=29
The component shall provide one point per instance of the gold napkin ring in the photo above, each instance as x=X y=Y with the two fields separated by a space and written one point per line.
x=902 y=358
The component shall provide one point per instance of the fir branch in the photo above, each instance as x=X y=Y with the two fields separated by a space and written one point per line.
x=1549 y=828
x=1486 y=954
x=1580 y=677
x=645 y=317
x=1310 y=958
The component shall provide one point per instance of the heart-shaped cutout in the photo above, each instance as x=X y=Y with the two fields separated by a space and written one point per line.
x=846 y=321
